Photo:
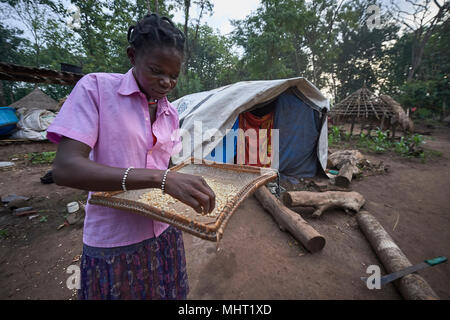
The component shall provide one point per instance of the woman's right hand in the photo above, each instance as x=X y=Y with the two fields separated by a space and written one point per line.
x=191 y=190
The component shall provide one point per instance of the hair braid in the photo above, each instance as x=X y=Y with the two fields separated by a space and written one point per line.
x=155 y=31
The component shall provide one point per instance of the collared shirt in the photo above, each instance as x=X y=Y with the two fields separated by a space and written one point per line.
x=109 y=113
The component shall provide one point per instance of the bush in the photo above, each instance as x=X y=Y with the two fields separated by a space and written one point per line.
x=334 y=136
x=423 y=114
x=408 y=146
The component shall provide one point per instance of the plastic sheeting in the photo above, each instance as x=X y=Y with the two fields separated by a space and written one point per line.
x=33 y=124
x=37 y=119
x=214 y=112
x=299 y=127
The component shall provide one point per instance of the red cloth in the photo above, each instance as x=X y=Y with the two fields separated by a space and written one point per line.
x=263 y=142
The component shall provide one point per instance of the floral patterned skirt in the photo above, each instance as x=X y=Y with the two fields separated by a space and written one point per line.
x=152 y=269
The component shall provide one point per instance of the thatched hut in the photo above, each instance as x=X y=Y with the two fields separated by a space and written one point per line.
x=37 y=99
x=369 y=110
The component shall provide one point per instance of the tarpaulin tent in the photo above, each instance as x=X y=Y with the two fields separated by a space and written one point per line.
x=299 y=113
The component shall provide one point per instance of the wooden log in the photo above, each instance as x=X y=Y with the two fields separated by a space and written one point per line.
x=345 y=175
x=291 y=221
x=412 y=286
x=322 y=201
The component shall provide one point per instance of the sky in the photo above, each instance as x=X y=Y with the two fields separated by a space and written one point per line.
x=224 y=10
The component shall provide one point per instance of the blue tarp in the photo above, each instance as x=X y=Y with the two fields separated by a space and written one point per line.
x=220 y=152
x=299 y=127
x=299 y=132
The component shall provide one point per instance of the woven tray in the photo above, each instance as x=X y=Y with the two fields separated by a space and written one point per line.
x=245 y=179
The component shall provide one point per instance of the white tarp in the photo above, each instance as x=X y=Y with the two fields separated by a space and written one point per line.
x=218 y=109
x=33 y=124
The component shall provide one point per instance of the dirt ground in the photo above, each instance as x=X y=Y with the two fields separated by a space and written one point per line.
x=256 y=260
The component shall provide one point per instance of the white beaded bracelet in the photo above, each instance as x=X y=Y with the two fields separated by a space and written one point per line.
x=163 y=184
x=124 y=178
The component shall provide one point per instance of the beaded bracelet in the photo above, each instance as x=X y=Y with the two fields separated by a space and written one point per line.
x=124 y=178
x=163 y=184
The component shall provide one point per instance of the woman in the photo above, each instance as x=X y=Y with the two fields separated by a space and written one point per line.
x=115 y=131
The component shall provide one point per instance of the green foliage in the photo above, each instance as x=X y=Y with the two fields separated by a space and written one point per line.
x=408 y=146
x=423 y=113
x=430 y=88
x=4 y=233
x=334 y=135
x=41 y=157
x=381 y=142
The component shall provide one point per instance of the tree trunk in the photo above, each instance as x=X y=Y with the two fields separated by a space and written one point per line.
x=418 y=49
x=291 y=221
x=412 y=286
x=2 y=95
x=444 y=107
x=322 y=201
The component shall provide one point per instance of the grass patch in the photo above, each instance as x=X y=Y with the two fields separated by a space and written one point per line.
x=409 y=146
x=41 y=157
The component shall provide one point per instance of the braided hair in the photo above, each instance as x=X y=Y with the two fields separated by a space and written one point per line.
x=155 y=31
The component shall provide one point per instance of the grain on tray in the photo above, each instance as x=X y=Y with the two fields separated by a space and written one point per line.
x=224 y=194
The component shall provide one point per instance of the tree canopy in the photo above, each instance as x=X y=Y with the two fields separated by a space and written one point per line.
x=329 y=42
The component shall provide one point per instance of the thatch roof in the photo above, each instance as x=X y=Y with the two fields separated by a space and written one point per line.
x=405 y=122
x=37 y=99
x=362 y=104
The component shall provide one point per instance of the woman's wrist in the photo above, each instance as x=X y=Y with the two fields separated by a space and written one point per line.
x=144 y=178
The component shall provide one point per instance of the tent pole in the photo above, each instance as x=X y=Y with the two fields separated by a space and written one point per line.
x=353 y=124
x=393 y=131
x=382 y=123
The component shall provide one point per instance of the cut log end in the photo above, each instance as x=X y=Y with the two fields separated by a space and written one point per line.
x=286 y=198
x=315 y=244
x=345 y=175
x=342 y=182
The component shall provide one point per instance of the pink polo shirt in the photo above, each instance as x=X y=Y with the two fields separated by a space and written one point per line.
x=109 y=113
